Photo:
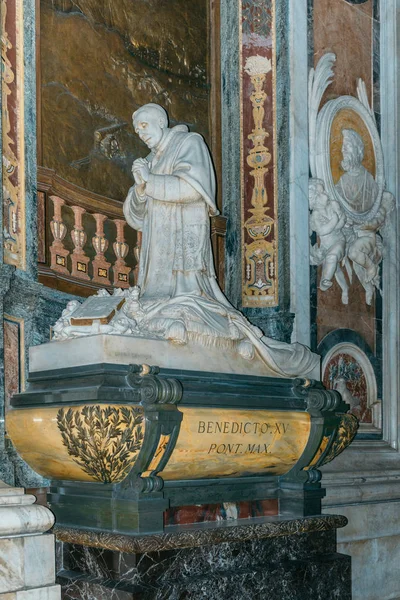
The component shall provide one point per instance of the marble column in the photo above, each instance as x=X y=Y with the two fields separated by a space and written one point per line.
x=27 y=555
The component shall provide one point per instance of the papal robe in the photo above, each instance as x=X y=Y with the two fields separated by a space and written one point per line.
x=174 y=217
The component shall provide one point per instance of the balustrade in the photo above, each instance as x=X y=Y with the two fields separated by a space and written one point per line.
x=79 y=259
x=101 y=267
x=58 y=251
x=84 y=239
x=120 y=269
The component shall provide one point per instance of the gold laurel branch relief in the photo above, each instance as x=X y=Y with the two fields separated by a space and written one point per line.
x=104 y=442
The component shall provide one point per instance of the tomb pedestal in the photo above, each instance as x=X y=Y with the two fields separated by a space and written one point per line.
x=176 y=483
x=265 y=558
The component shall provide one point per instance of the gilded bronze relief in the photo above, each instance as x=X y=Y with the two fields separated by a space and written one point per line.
x=108 y=61
x=345 y=434
x=104 y=442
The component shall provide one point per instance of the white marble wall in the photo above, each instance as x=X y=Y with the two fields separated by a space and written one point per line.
x=26 y=562
x=372 y=539
x=50 y=593
x=299 y=173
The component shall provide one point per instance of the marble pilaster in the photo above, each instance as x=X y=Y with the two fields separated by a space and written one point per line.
x=298 y=181
x=390 y=123
x=230 y=101
x=27 y=555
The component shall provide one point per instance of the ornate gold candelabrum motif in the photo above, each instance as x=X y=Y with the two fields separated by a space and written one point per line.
x=58 y=228
x=79 y=259
x=120 y=269
x=101 y=268
x=259 y=255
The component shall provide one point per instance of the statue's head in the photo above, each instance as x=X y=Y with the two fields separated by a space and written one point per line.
x=316 y=193
x=150 y=122
x=352 y=150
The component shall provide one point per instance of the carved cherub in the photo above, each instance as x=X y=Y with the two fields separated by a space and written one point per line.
x=60 y=327
x=327 y=219
x=365 y=247
x=133 y=308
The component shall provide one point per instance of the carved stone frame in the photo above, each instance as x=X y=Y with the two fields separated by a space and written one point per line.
x=373 y=402
x=322 y=152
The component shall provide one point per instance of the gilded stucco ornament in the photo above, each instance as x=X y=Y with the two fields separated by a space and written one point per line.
x=348 y=201
x=334 y=435
x=12 y=134
x=344 y=435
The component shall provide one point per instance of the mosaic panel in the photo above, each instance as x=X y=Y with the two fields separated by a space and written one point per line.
x=348 y=370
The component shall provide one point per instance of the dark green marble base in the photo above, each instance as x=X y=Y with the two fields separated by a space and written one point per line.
x=266 y=558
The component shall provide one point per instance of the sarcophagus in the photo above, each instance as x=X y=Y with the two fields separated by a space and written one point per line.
x=123 y=443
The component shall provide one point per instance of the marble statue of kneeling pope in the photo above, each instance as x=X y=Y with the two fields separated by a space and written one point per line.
x=177 y=297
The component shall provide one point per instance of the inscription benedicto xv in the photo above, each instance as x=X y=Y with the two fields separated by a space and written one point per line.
x=227 y=442
x=271 y=430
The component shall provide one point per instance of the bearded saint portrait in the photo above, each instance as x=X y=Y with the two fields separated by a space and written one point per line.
x=357 y=186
